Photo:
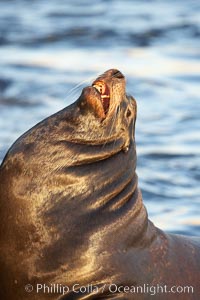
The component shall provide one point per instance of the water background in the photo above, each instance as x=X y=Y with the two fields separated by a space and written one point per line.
x=50 y=50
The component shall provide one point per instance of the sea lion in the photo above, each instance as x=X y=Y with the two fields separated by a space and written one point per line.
x=72 y=214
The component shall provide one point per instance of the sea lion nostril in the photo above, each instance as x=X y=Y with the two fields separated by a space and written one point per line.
x=117 y=74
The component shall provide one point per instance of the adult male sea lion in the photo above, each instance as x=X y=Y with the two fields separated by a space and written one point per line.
x=72 y=214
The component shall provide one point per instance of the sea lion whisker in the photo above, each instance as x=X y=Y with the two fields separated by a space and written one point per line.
x=117 y=112
x=113 y=119
x=112 y=125
x=77 y=86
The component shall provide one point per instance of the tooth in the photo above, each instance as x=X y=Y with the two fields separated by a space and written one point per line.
x=103 y=88
x=100 y=86
x=97 y=87
x=105 y=96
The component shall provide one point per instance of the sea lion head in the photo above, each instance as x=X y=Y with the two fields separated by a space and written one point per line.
x=68 y=180
x=108 y=110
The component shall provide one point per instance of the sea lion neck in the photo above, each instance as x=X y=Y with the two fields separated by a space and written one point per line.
x=78 y=170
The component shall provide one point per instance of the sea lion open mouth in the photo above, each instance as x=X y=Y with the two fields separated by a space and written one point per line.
x=104 y=95
x=104 y=91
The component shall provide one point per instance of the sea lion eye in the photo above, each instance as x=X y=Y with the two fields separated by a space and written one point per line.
x=128 y=113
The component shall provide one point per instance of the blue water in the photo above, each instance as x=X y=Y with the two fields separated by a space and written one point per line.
x=49 y=50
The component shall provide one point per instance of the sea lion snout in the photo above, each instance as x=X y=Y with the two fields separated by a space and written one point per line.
x=105 y=94
x=117 y=74
x=112 y=73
